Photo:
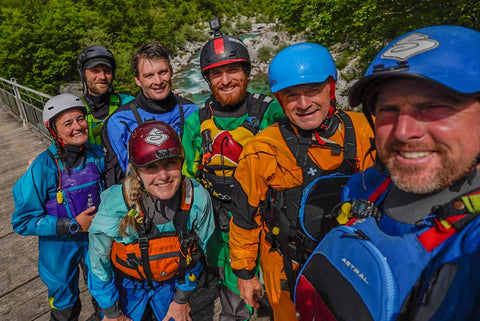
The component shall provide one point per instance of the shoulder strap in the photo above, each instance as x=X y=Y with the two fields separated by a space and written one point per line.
x=350 y=142
x=257 y=107
x=186 y=238
x=180 y=219
x=182 y=116
x=133 y=107
x=205 y=112
x=298 y=146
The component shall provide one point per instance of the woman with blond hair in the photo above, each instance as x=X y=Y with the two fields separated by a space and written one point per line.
x=148 y=237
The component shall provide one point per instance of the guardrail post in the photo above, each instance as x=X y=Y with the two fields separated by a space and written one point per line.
x=18 y=100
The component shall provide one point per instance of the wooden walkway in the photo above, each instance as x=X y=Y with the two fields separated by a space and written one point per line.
x=23 y=296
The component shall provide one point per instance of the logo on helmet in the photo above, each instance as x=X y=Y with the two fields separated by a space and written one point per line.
x=410 y=46
x=156 y=137
x=162 y=153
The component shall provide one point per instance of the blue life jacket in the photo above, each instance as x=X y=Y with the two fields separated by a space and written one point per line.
x=359 y=272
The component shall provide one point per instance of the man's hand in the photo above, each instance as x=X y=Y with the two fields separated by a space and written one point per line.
x=250 y=291
x=178 y=312
x=84 y=219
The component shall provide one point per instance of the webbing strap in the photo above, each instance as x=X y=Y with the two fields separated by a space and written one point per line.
x=182 y=116
x=437 y=234
x=350 y=141
x=143 y=244
x=256 y=108
x=180 y=222
x=133 y=106
x=297 y=145
x=380 y=190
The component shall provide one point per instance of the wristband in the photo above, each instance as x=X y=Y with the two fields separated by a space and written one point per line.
x=74 y=227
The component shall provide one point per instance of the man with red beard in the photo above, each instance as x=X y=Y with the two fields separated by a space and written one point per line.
x=421 y=201
x=213 y=139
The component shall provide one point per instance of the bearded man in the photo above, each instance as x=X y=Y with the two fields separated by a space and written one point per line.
x=213 y=138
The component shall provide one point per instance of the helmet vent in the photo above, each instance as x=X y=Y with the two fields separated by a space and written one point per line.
x=401 y=65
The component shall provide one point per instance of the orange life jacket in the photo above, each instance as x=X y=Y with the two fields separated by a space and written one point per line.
x=159 y=256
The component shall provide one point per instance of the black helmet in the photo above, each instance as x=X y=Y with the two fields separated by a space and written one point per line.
x=224 y=50
x=95 y=55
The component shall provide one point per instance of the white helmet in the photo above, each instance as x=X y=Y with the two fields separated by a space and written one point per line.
x=59 y=104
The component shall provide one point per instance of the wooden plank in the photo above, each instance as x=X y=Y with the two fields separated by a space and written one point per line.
x=19 y=261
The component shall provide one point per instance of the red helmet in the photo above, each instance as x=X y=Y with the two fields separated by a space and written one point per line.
x=152 y=141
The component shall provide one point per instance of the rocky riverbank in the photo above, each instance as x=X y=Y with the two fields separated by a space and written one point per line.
x=263 y=42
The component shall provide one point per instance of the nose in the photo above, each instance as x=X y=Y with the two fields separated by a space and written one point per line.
x=78 y=125
x=304 y=102
x=102 y=74
x=225 y=78
x=162 y=174
x=157 y=79
x=408 y=127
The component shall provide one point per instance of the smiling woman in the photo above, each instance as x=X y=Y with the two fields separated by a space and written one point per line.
x=56 y=200
x=71 y=127
x=156 y=205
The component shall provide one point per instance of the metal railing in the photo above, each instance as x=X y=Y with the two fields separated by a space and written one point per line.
x=25 y=102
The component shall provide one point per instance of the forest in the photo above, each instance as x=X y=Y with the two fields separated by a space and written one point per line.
x=41 y=39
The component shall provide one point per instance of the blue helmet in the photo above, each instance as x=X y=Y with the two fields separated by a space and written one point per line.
x=446 y=55
x=298 y=64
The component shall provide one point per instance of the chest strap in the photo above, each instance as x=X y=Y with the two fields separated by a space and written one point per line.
x=256 y=107
x=281 y=208
x=180 y=222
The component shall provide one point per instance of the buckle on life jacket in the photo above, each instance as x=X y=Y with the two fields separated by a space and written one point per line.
x=357 y=209
x=133 y=213
x=143 y=243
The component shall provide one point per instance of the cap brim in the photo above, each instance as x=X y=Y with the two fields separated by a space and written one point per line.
x=357 y=92
x=98 y=61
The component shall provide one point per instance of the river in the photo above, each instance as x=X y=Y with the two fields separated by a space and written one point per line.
x=195 y=88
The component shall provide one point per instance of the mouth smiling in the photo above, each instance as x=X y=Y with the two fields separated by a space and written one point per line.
x=228 y=89
x=414 y=155
x=306 y=114
x=82 y=133
x=163 y=185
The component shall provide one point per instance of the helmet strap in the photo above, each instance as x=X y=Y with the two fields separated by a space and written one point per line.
x=55 y=136
x=319 y=139
x=331 y=109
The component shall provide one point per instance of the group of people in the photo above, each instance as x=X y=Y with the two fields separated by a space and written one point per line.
x=179 y=191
